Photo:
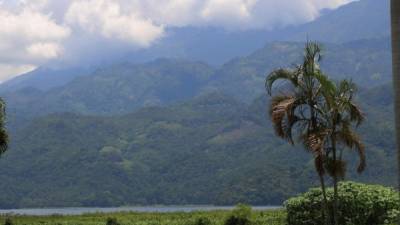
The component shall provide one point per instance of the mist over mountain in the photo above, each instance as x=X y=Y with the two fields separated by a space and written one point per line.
x=44 y=78
x=125 y=87
x=365 y=19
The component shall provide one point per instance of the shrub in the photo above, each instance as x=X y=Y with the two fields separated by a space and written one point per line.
x=359 y=204
x=241 y=215
x=8 y=221
x=202 y=221
x=112 y=221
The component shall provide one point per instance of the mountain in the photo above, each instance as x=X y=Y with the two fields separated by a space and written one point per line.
x=208 y=150
x=125 y=87
x=115 y=90
x=43 y=78
x=173 y=131
x=366 y=62
x=212 y=45
x=363 y=19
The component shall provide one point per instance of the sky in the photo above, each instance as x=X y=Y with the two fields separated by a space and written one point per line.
x=35 y=32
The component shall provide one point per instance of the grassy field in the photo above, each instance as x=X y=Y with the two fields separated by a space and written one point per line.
x=270 y=217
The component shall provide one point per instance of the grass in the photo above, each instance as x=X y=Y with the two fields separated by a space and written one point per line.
x=270 y=217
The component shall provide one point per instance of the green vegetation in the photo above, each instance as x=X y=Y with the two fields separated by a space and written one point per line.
x=359 y=204
x=158 y=133
x=300 y=110
x=4 y=139
x=277 y=217
x=341 y=115
x=8 y=221
x=132 y=159
x=241 y=215
x=322 y=114
x=112 y=221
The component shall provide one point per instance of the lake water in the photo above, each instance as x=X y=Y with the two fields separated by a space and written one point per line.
x=79 y=211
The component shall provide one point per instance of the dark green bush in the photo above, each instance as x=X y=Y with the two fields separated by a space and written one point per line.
x=202 y=221
x=359 y=204
x=8 y=221
x=112 y=221
x=241 y=215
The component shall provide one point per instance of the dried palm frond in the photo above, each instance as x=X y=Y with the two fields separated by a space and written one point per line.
x=351 y=140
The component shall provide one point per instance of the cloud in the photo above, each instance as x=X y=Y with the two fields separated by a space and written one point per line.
x=228 y=12
x=106 y=18
x=10 y=70
x=34 y=32
x=28 y=38
x=232 y=14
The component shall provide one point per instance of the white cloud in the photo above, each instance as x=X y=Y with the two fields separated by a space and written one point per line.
x=168 y=12
x=107 y=18
x=28 y=37
x=231 y=14
x=35 y=31
x=228 y=12
x=44 y=50
x=9 y=70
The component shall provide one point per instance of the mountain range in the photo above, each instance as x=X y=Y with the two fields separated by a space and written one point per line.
x=183 y=130
x=364 y=19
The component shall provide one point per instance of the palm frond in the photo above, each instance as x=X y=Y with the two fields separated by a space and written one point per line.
x=335 y=168
x=327 y=87
x=280 y=74
x=351 y=140
x=355 y=113
x=314 y=142
x=281 y=107
x=312 y=55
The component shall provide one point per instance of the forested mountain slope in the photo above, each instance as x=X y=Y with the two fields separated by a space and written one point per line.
x=209 y=150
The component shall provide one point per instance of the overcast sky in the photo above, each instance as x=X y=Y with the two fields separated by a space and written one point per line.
x=36 y=31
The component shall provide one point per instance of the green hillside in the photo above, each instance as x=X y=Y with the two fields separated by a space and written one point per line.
x=209 y=150
x=367 y=62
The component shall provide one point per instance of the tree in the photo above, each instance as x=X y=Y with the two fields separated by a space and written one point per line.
x=295 y=108
x=3 y=132
x=395 y=24
x=323 y=115
x=340 y=114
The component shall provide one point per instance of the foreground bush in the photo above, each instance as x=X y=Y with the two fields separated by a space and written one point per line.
x=8 y=221
x=359 y=204
x=241 y=215
x=202 y=221
x=112 y=221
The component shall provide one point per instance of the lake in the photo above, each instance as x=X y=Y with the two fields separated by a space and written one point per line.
x=84 y=210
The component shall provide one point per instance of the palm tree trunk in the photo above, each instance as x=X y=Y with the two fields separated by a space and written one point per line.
x=325 y=209
x=335 y=185
x=335 y=201
x=395 y=24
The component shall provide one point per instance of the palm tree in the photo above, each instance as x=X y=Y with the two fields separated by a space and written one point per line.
x=295 y=109
x=3 y=132
x=340 y=114
x=395 y=15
